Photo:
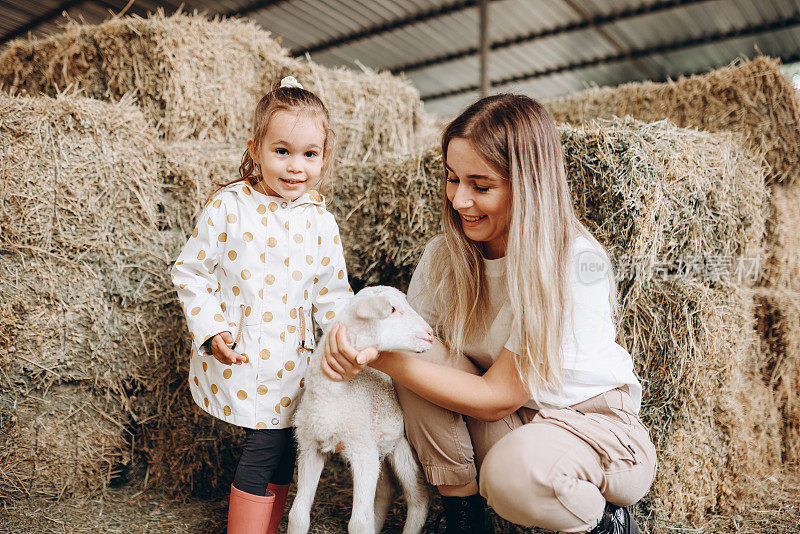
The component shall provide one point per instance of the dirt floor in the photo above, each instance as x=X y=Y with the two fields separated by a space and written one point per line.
x=134 y=511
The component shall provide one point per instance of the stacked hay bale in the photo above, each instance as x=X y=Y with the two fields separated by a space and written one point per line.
x=655 y=195
x=83 y=273
x=778 y=308
x=754 y=101
x=94 y=343
x=751 y=99
x=386 y=213
x=687 y=314
x=66 y=439
x=190 y=171
x=155 y=59
x=196 y=81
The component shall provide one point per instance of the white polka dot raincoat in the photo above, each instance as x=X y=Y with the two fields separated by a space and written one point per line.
x=259 y=267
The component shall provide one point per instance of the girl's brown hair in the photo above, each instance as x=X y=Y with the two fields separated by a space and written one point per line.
x=518 y=138
x=292 y=99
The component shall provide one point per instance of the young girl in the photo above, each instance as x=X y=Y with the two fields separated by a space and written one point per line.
x=541 y=417
x=264 y=257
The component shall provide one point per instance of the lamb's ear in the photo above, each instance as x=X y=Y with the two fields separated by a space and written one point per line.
x=373 y=308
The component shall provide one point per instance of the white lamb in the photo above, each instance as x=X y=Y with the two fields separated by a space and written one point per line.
x=364 y=416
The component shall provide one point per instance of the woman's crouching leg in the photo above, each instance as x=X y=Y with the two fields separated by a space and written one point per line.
x=439 y=437
x=542 y=475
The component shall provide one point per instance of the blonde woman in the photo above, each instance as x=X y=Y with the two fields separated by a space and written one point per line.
x=528 y=401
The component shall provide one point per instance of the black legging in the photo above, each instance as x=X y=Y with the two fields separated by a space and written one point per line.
x=268 y=457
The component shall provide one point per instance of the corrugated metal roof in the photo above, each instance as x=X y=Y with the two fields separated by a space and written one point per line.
x=541 y=47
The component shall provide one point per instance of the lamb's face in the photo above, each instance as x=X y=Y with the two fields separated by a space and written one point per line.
x=383 y=318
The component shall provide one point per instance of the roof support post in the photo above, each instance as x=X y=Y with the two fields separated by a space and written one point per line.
x=484 y=46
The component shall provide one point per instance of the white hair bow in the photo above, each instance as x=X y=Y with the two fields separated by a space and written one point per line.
x=290 y=81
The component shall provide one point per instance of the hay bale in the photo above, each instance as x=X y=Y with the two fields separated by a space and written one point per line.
x=187 y=451
x=667 y=200
x=190 y=171
x=192 y=77
x=660 y=197
x=63 y=440
x=779 y=310
x=90 y=215
x=754 y=101
x=63 y=324
x=196 y=78
x=79 y=178
x=60 y=325
x=88 y=307
x=386 y=214
x=782 y=267
x=778 y=313
x=374 y=114
x=710 y=414
x=82 y=252
x=750 y=98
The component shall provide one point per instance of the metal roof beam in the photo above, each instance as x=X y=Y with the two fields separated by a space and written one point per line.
x=41 y=19
x=64 y=6
x=606 y=35
x=634 y=54
x=133 y=9
x=625 y=14
x=415 y=18
x=21 y=9
x=251 y=8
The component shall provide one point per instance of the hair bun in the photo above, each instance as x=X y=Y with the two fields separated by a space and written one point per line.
x=290 y=81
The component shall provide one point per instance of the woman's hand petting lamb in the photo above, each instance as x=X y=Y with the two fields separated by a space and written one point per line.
x=493 y=395
x=341 y=361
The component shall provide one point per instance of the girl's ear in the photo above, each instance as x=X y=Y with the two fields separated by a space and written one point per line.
x=251 y=149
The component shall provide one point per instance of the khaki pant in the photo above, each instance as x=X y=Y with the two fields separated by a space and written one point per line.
x=553 y=468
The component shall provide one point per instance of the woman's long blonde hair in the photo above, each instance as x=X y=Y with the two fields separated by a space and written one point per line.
x=516 y=136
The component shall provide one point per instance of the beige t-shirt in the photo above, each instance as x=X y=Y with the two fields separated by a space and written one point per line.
x=592 y=361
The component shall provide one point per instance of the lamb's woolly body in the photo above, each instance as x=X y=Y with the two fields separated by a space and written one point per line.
x=336 y=412
x=364 y=416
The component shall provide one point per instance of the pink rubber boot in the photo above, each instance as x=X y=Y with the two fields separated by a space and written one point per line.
x=280 y=492
x=248 y=513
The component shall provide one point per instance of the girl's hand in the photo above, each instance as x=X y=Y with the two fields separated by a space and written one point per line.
x=340 y=360
x=222 y=352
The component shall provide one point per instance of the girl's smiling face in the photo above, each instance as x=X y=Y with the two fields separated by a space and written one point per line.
x=290 y=155
x=480 y=195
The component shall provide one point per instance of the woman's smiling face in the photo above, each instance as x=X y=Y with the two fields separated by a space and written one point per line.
x=480 y=195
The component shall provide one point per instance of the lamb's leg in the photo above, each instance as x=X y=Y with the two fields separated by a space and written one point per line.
x=365 y=462
x=309 y=468
x=408 y=474
x=383 y=497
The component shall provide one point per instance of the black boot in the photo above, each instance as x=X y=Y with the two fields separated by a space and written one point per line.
x=464 y=515
x=616 y=520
